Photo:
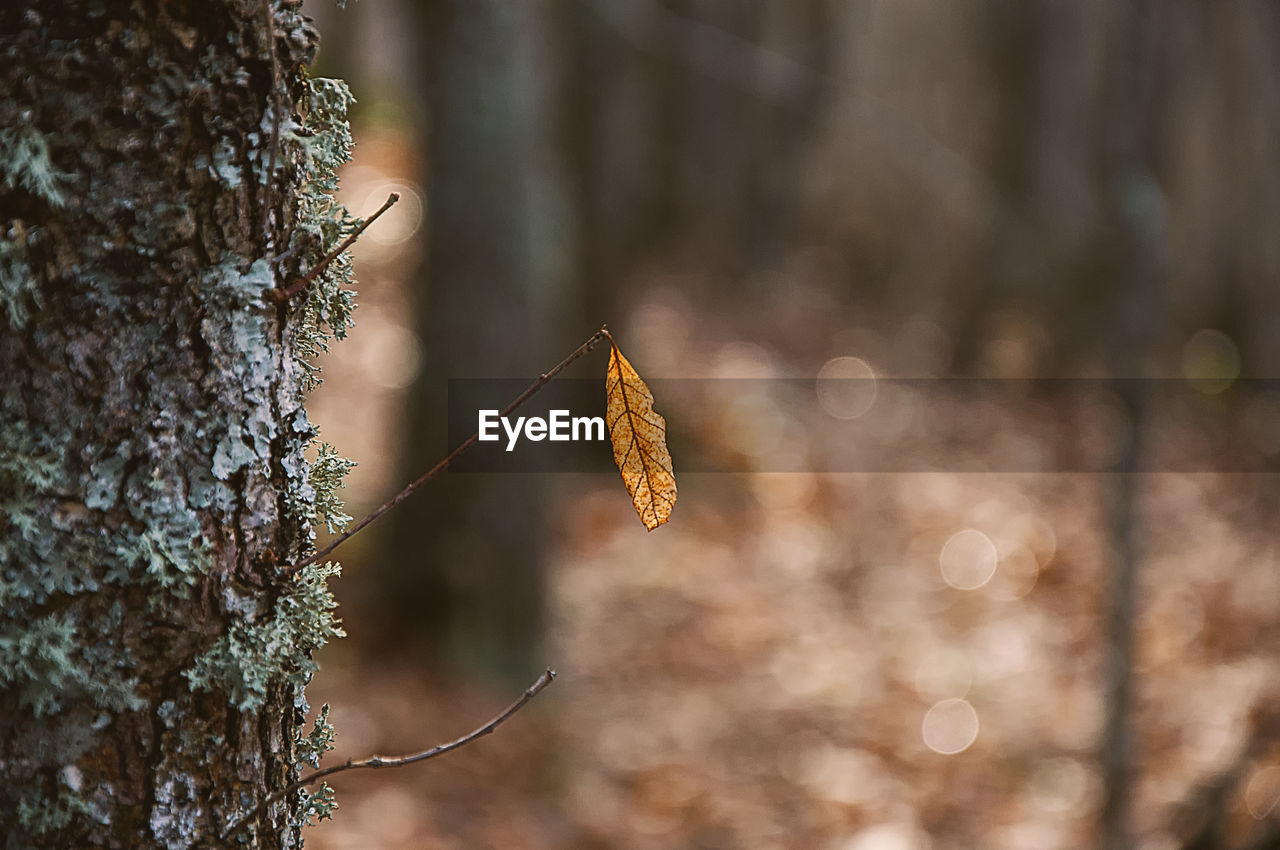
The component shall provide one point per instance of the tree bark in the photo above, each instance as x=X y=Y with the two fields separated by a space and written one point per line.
x=152 y=430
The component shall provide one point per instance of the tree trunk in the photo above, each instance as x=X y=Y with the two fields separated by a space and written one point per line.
x=152 y=655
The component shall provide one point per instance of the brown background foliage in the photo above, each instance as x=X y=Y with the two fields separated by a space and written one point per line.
x=755 y=190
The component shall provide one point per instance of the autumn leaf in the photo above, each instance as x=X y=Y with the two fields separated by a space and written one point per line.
x=639 y=436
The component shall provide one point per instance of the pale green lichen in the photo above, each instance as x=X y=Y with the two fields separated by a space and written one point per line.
x=313 y=807
x=25 y=167
x=25 y=164
x=103 y=489
x=38 y=662
x=326 y=476
x=172 y=561
x=252 y=655
x=53 y=549
x=312 y=746
x=241 y=334
x=325 y=309
x=317 y=805
x=325 y=144
x=34 y=565
x=44 y=663
x=41 y=812
x=18 y=290
x=30 y=464
x=228 y=285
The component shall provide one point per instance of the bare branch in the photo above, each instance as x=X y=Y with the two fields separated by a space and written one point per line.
x=376 y=762
x=286 y=294
x=452 y=456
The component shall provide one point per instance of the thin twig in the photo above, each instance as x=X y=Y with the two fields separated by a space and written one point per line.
x=375 y=762
x=453 y=455
x=286 y=294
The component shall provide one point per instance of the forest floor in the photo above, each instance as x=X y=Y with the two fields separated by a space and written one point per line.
x=784 y=665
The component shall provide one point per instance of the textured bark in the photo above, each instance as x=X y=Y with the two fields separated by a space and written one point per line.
x=151 y=423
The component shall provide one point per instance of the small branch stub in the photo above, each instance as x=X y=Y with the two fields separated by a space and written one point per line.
x=293 y=289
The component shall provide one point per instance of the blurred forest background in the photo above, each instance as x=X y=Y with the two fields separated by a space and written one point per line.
x=1028 y=658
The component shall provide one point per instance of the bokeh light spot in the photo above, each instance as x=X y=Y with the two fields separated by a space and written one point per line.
x=889 y=836
x=1262 y=794
x=846 y=387
x=1059 y=784
x=392 y=356
x=754 y=425
x=1210 y=361
x=949 y=727
x=968 y=560
x=403 y=220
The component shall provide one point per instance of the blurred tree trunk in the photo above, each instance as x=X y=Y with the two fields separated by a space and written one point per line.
x=686 y=126
x=569 y=144
x=468 y=553
x=1136 y=208
x=151 y=425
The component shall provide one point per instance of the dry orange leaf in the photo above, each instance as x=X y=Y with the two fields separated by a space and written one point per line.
x=639 y=436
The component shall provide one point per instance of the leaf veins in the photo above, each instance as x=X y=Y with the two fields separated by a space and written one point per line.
x=639 y=436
